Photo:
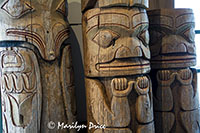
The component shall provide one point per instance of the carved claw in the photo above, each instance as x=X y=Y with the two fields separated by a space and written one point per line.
x=143 y=82
x=120 y=87
x=120 y=83
x=165 y=77
x=142 y=85
x=185 y=76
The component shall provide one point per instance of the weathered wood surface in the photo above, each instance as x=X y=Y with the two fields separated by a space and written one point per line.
x=115 y=42
x=40 y=23
x=172 y=38
x=116 y=59
x=88 y=4
x=176 y=99
x=21 y=92
x=157 y=4
x=122 y=104
x=36 y=69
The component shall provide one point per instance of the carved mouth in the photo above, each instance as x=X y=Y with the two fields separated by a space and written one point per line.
x=174 y=58
x=124 y=64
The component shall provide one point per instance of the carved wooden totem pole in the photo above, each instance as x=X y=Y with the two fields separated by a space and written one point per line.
x=172 y=45
x=36 y=71
x=116 y=56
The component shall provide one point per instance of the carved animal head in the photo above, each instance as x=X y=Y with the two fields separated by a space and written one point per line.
x=172 y=38
x=116 y=42
x=39 y=22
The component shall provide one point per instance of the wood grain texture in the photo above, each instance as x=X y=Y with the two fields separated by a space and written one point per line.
x=176 y=101
x=21 y=92
x=158 y=4
x=38 y=23
x=172 y=38
x=122 y=104
x=116 y=59
x=116 y=42
x=176 y=98
x=38 y=83
x=88 y=4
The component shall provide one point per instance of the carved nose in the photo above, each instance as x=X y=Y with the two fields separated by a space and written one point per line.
x=51 y=55
x=174 y=48
x=137 y=52
x=123 y=52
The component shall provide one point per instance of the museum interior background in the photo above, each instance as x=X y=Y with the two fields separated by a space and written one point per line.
x=75 y=21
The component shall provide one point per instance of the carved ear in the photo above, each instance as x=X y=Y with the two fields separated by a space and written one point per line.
x=16 y=8
x=86 y=4
x=62 y=8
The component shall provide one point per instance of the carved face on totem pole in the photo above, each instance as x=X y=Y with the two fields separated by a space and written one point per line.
x=172 y=38
x=116 y=39
x=117 y=54
x=26 y=27
x=39 y=22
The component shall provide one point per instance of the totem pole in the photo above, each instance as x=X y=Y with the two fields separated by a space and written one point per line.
x=36 y=76
x=176 y=103
x=116 y=61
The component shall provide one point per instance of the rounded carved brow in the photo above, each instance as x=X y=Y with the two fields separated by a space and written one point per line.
x=162 y=20
x=95 y=18
x=137 y=22
x=129 y=15
x=184 y=19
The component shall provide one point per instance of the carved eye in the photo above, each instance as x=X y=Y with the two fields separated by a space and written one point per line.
x=61 y=8
x=155 y=36
x=16 y=9
x=105 y=38
x=144 y=37
x=189 y=35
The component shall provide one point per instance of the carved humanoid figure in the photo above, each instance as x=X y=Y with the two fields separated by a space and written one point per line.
x=116 y=59
x=172 y=45
x=36 y=72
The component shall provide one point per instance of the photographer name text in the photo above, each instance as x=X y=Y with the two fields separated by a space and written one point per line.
x=74 y=125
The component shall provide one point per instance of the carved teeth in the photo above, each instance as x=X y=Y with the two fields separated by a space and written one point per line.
x=16 y=83
x=120 y=83
x=8 y=86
